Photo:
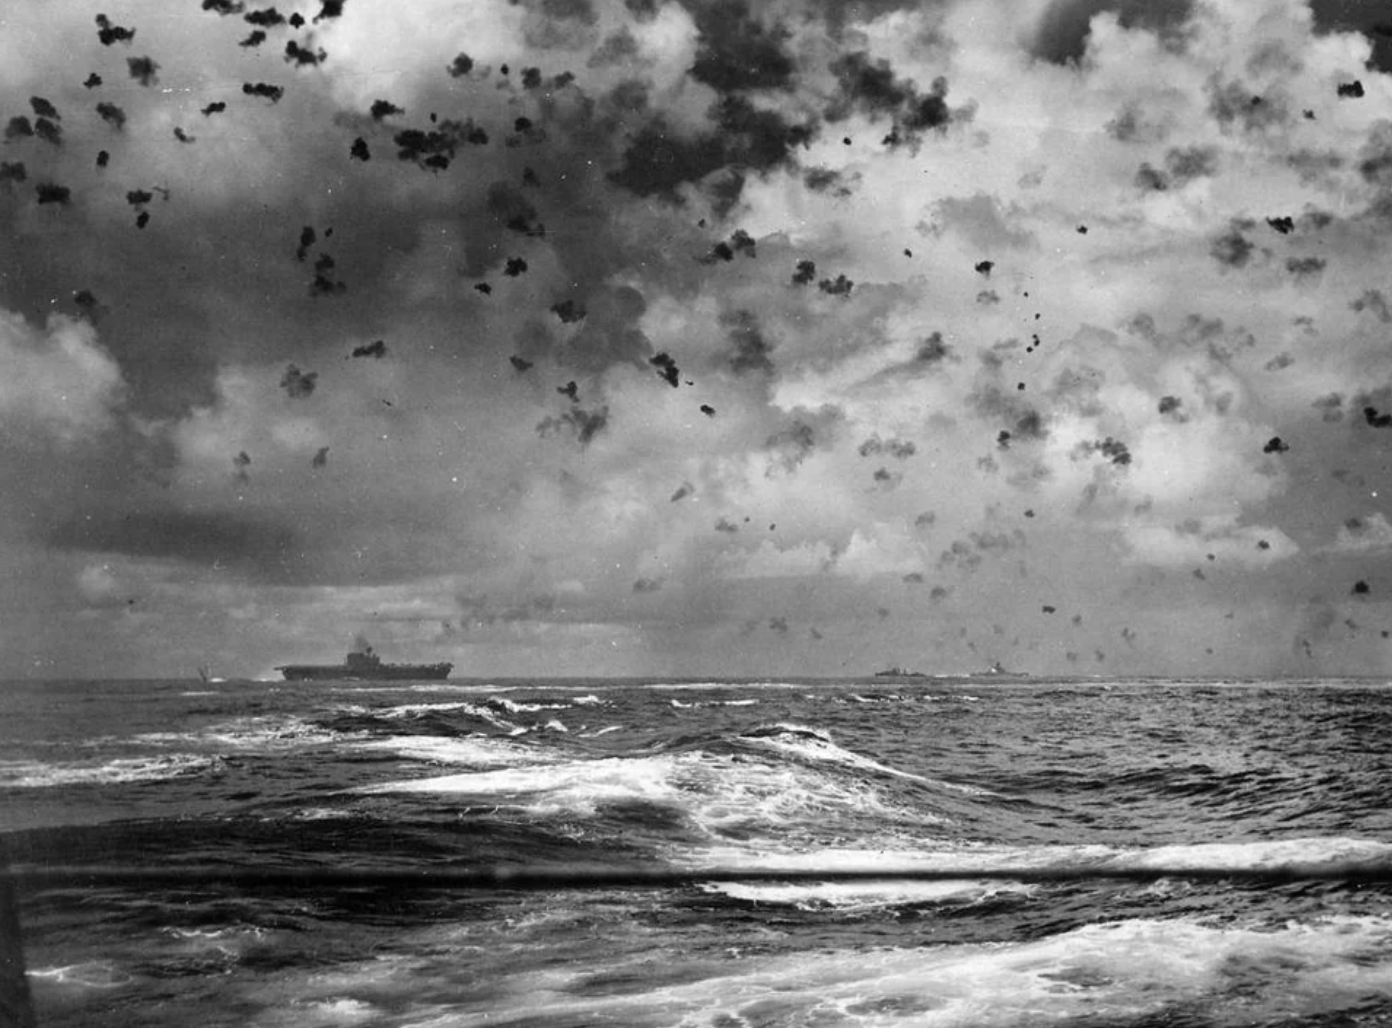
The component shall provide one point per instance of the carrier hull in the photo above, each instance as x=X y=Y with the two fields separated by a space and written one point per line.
x=365 y=666
x=390 y=672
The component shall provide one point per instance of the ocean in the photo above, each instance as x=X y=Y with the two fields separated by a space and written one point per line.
x=806 y=777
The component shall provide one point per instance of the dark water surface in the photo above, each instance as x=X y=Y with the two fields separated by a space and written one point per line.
x=800 y=774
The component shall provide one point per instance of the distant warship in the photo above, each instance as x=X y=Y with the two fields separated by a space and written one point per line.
x=899 y=672
x=365 y=664
x=997 y=670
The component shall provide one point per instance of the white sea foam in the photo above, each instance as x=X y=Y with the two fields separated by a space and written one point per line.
x=336 y=995
x=814 y=744
x=206 y=934
x=602 y=731
x=340 y=1010
x=410 y=710
x=325 y=1012
x=867 y=895
x=694 y=704
x=725 y=685
x=265 y=733
x=473 y=751
x=718 y=793
x=1314 y=852
x=95 y=974
x=573 y=786
x=322 y=814
x=1309 y=850
x=1100 y=973
x=33 y=774
x=405 y=709
x=228 y=941
x=517 y=707
x=788 y=800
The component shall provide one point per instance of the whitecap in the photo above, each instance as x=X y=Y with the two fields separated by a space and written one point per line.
x=572 y=786
x=865 y=895
x=814 y=744
x=263 y=733
x=518 y=707
x=402 y=710
x=474 y=751
x=725 y=685
x=602 y=731
x=1308 y=851
x=96 y=974
x=719 y=794
x=321 y=814
x=694 y=704
x=1310 y=854
x=411 y=710
x=32 y=774
x=342 y=1010
x=1098 y=974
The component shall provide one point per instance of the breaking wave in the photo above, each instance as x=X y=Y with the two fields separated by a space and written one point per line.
x=34 y=774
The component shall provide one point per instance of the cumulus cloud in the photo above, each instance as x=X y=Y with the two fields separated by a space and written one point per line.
x=59 y=382
x=1214 y=539
x=859 y=286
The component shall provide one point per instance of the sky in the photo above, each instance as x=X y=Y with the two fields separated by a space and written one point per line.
x=696 y=337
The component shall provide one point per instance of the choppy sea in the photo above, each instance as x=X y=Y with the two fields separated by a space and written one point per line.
x=810 y=776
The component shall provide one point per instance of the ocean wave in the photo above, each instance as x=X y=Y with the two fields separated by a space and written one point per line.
x=401 y=710
x=1309 y=854
x=695 y=704
x=908 y=699
x=338 y=1011
x=322 y=814
x=518 y=707
x=716 y=685
x=412 y=711
x=479 y=751
x=94 y=974
x=816 y=745
x=809 y=743
x=1312 y=851
x=568 y=786
x=601 y=731
x=228 y=942
x=33 y=774
x=865 y=896
x=717 y=794
x=1097 y=974
x=261 y=733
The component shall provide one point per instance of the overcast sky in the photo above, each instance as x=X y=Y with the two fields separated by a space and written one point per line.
x=689 y=337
